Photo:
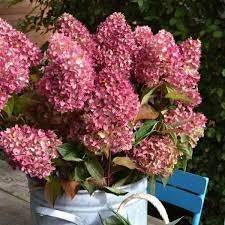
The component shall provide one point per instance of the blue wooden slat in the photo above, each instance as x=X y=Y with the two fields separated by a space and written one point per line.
x=188 y=181
x=180 y=198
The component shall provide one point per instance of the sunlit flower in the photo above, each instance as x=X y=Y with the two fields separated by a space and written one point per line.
x=69 y=77
x=156 y=156
x=186 y=122
x=30 y=150
x=116 y=44
x=71 y=27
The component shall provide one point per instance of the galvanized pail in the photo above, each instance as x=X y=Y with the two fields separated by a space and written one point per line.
x=85 y=209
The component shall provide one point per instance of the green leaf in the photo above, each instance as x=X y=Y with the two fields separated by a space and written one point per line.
x=145 y=130
x=186 y=149
x=52 y=190
x=89 y=187
x=217 y=34
x=23 y=102
x=80 y=172
x=165 y=180
x=152 y=184
x=9 y=107
x=147 y=96
x=175 y=221
x=94 y=168
x=115 y=219
x=123 y=180
x=114 y=191
x=173 y=94
x=70 y=152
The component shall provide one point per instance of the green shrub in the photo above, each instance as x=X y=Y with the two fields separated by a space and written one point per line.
x=197 y=18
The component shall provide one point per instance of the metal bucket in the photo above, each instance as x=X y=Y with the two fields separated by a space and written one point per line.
x=85 y=209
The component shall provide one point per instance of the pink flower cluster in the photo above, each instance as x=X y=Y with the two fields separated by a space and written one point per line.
x=109 y=112
x=115 y=44
x=17 y=54
x=158 y=58
x=29 y=149
x=161 y=60
x=156 y=155
x=73 y=28
x=69 y=77
x=186 y=122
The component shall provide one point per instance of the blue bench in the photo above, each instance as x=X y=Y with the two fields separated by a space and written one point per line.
x=184 y=190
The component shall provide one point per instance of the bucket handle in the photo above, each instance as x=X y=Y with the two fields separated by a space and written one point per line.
x=43 y=211
x=150 y=198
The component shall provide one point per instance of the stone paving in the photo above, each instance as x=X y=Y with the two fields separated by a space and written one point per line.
x=14 y=197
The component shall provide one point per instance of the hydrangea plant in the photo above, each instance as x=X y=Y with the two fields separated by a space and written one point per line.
x=97 y=111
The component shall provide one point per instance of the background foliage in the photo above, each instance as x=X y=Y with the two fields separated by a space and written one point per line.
x=200 y=19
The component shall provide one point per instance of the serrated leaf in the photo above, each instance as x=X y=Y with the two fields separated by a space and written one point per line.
x=124 y=161
x=70 y=187
x=145 y=130
x=146 y=112
x=114 y=191
x=52 y=190
x=69 y=152
x=94 y=168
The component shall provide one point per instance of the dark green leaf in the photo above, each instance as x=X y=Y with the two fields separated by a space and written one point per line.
x=70 y=152
x=115 y=219
x=145 y=130
x=23 y=102
x=89 y=187
x=94 y=168
x=52 y=190
x=81 y=173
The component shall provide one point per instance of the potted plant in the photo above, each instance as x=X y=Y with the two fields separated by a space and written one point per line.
x=92 y=116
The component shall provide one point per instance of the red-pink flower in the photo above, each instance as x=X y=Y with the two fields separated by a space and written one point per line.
x=143 y=35
x=71 y=27
x=116 y=44
x=155 y=155
x=159 y=58
x=114 y=139
x=30 y=150
x=114 y=101
x=191 y=53
x=21 y=43
x=69 y=77
x=186 y=122
x=13 y=68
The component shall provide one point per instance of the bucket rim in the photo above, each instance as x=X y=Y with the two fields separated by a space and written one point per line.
x=124 y=187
